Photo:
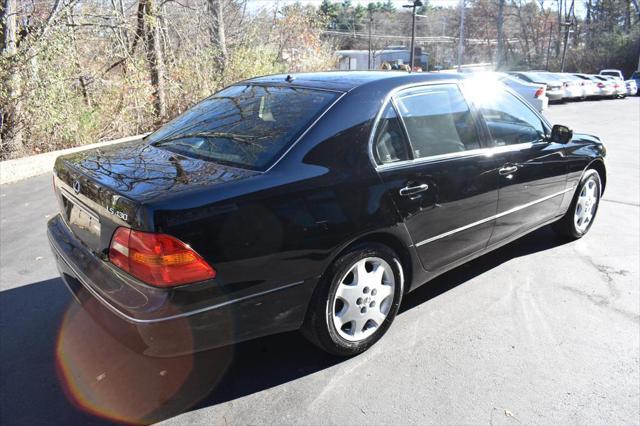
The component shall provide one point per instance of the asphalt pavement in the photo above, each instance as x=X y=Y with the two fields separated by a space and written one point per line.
x=540 y=331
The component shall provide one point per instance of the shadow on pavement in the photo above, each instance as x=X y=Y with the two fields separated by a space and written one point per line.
x=57 y=364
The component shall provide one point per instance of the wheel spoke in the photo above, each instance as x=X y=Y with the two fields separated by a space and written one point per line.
x=360 y=272
x=351 y=314
x=377 y=316
x=376 y=275
x=383 y=291
x=357 y=326
x=348 y=293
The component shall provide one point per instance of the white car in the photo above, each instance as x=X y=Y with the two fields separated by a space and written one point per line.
x=571 y=86
x=591 y=88
x=612 y=72
x=632 y=87
x=607 y=89
x=586 y=87
x=533 y=93
x=618 y=84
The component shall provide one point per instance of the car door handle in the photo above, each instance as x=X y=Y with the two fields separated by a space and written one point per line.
x=507 y=170
x=408 y=191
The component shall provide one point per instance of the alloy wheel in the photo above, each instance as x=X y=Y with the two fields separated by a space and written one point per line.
x=363 y=299
x=586 y=205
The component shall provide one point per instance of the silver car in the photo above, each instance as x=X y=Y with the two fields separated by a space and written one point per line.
x=554 y=89
x=533 y=93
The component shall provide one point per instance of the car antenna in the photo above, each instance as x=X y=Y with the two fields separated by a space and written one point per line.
x=289 y=78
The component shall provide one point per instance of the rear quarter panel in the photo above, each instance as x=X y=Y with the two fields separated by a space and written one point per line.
x=288 y=224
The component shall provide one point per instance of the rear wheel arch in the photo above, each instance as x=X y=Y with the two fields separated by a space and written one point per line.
x=389 y=240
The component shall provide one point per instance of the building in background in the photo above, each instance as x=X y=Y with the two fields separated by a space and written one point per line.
x=359 y=59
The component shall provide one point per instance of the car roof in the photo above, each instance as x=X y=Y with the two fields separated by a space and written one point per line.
x=345 y=81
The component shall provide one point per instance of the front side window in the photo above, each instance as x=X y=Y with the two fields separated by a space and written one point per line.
x=247 y=126
x=438 y=120
x=509 y=120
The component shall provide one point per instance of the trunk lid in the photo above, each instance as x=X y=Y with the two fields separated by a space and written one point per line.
x=101 y=189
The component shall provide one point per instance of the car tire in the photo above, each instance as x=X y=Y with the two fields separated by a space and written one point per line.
x=351 y=288
x=581 y=214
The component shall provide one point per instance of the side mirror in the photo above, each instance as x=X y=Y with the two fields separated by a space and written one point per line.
x=561 y=134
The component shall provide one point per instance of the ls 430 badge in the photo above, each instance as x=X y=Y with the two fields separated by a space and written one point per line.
x=118 y=213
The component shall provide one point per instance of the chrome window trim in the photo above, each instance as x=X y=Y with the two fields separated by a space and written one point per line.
x=389 y=98
x=487 y=152
x=496 y=216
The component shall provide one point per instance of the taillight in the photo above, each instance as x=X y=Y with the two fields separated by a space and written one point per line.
x=157 y=259
x=601 y=85
x=539 y=92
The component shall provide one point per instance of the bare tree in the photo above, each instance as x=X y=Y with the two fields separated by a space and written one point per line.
x=218 y=33
x=148 y=30
x=500 y=30
x=11 y=131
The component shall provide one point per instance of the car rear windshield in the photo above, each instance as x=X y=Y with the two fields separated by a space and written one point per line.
x=247 y=126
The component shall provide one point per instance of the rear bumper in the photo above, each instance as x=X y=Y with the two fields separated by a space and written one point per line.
x=169 y=322
x=555 y=95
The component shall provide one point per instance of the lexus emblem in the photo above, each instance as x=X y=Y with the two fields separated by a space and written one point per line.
x=76 y=186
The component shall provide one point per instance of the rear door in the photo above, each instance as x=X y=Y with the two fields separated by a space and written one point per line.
x=532 y=172
x=429 y=154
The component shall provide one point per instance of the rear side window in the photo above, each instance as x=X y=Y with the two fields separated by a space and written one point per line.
x=390 y=143
x=438 y=120
x=248 y=126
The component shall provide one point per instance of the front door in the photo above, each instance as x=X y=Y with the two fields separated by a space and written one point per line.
x=429 y=156
x=532 y=171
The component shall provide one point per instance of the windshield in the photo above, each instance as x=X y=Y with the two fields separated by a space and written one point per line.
x=248 y=126
x=611 y=73
x=543 y=78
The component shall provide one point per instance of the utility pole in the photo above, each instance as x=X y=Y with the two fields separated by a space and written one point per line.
x=413 y=6
x=461 y=40
x=567 y=24
x=500 y=34
x=566 y=41
x=370 y=25
x=549 y=45
x=444 y=25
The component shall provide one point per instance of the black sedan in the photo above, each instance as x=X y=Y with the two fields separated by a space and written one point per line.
x=312 y=201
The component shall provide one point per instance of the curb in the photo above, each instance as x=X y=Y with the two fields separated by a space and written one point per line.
x=26 y=167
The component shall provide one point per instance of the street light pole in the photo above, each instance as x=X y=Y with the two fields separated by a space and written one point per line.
x=461 y=39
x=413 y=6
x=370 y=25
x=566 y=41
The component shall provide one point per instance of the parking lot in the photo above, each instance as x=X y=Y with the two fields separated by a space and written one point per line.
x=540 y=331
